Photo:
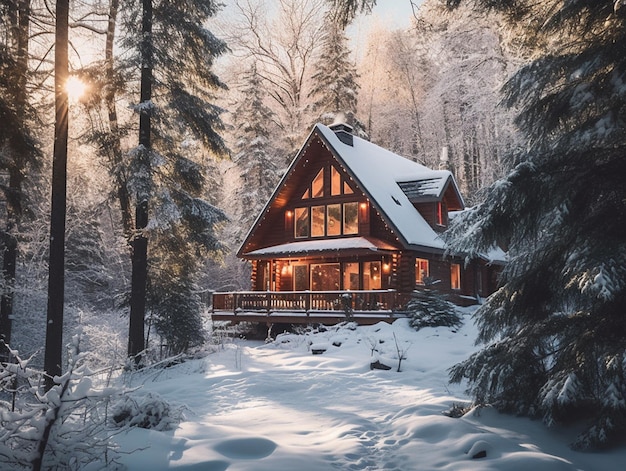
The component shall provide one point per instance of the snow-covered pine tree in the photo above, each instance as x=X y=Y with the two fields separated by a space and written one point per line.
x=184 y=122
x=252 y=153
x=555 y=332
x=18 y=149
x=334 y=84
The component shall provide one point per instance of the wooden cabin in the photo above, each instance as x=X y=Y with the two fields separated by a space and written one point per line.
x=352 y=225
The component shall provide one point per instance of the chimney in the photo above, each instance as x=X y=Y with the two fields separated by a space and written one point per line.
x=343 y=132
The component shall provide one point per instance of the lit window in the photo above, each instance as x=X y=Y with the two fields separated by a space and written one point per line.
x=335 y=182
x=300 y=277
x=318 y=184
x=307 y=194
x=325 y=277
x=371 y=275
x=346 y=189
x=351 y=276
x=441 y=214
x=421 y=270
x=455 y=276
x=333 y=219
x=351 y=218
x=302 y=224
x=318 y=226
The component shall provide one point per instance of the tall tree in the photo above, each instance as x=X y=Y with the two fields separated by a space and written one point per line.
x=56 y=271
x=139 y=243
x=334 y=83
x=555 y=332
x=177 y=51
x=252 y=153
x=283 y=46
x=17 y=146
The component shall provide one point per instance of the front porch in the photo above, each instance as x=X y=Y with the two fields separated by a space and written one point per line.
x=308 y=307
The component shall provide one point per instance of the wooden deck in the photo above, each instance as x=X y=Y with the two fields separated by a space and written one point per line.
x=309 y=307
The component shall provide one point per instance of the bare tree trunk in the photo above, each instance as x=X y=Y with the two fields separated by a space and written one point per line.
x=56 y=270
x=139 y=243
x=116 y=145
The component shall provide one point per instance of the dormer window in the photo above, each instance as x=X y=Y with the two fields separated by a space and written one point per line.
x=442 y=211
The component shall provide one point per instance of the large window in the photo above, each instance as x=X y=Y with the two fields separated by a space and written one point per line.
x=333 y=219
x=318 y=221
x=325 y=277
x=302 y=225
x=351 y=218
x=351 y=276
x=326 y=220
x=371 y=275
x=421 y=270
x=300 y=277
x=455 y=276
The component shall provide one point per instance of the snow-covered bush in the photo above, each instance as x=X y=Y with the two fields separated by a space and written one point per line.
x=429 y=308
x=62 y=428
x=149 y=412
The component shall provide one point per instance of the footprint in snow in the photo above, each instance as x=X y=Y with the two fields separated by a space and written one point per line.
x=246 y=448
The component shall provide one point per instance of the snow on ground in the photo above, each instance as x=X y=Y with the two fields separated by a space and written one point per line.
x=278 y=406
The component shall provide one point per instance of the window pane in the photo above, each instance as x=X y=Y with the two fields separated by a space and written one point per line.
x=302 y=222
x=333 y=219
x=346 y=189
x=325 y=277
x=318 y=184
x=371 y=275
x=307 y=194
x=421 y=270
x=300 y=278
x=351 y=276
x=317 y=221
x=350 y=218
x=335 y=182
x=455 y=276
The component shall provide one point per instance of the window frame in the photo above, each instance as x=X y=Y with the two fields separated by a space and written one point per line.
x=419 y=262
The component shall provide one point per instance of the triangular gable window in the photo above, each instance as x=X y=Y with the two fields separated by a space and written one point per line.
x=318 y=184
x=317 y=188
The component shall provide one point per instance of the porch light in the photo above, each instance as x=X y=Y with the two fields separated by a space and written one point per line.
x=363 y=206
x=386 y=267
x=289 y=213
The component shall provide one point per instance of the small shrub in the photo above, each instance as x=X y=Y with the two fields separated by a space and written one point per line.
x=429 y=308
x=149 y=412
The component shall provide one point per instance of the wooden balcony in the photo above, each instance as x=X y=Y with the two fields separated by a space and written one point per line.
x=307 y=307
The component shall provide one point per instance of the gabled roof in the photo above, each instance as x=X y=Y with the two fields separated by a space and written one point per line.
x=381 y=175
x=378 y=172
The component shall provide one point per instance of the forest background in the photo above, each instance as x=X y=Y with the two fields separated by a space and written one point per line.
x=428 y=90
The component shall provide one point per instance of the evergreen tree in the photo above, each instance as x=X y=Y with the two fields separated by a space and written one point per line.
x=258 y=174
x=18 y=151
x=335 y=86
x=555 y=332
x=429 y=308
x=166 y=176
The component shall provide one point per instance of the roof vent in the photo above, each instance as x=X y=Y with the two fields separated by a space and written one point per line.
x=343 y=132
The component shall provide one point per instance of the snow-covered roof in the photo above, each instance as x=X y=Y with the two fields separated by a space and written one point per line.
x=324 y=245
x=427 y=189
x=380 y=174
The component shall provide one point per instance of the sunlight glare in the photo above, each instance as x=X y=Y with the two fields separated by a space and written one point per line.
x=75 y=88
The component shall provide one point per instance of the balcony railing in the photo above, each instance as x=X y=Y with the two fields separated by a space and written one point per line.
x=308 y=301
